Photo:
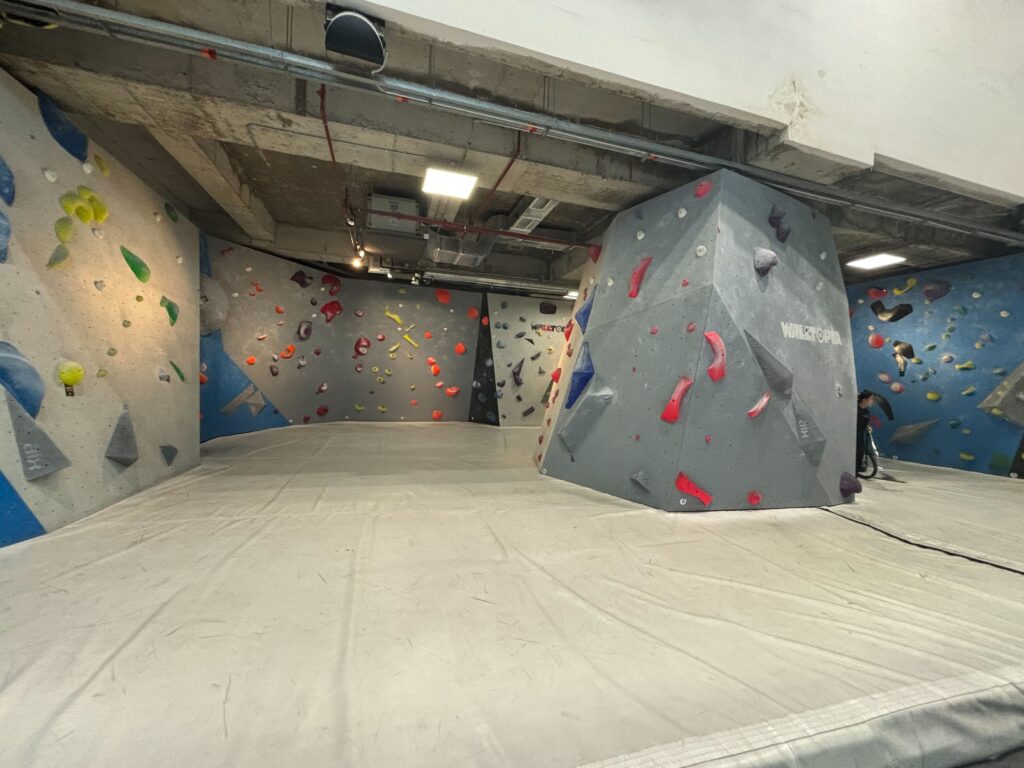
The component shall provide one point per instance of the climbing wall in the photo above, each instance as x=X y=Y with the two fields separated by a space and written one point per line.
x=527 y=338
x=287 y=344
x=709 y=363
x=98 y=325
x=946 y=348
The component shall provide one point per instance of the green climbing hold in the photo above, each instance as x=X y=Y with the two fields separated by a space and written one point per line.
x=177 y=370
x=101 y=373
x=126 y=323
x=59 y=257
x=172 y=309
x=929 y=347
x=172 y=214
x=64 y=228
x=137 y=266
x=954 y=423
x=139 y=297
x=111 y=351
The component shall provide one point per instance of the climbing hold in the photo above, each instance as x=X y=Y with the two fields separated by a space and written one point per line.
x=908 y=434
x=764 y=260
x=177 y=370
x=849 y=485
x=409 y=339
x=966 y=366
x=138 y=267
x=437 y=415
x=472 y=313
x=443 y=295
x=64 y=228
x=414 y=403
x=581 y=375
x=70 y=373
x=707 y=439
x=431 y=361
x=754 y=498
x=567 y=331
x=5 y=236
x=637 y=276
x=758 y=408
x=701 y=250
x=393 y=316
x=333 y=284
x=877 y=293
x=935 y=290
x=428 y=335
x=59 y=257
x=934 y=396
x=274 y=370
x=301 y=279
x=322 y=388
x=63 y=131
x=670 y=413
x=98 y=208
x=716 y=371
x=169 y=452
x=288 y=352
x=452 y=391
x=966 y=456
x=301 y=362
x=907 y=286
x=685 y=485
x=250 y=360
x=517 y=373
x=898 y=312
x=691 y=327
x=640 y=478
x=904 y=352
x=702 y=188
x=897 y=387
x=111 y=351
x=581 y=419
x=947 y=358
x=556 y=375
x=39 y=455
x=122 y=447
x=460 y=348
x=876 y=340
x=172 y=309
x=967 y=392
x=21 y=379
x=6 y=182
x=330 y=310
x=778 y=376
x=583 y=313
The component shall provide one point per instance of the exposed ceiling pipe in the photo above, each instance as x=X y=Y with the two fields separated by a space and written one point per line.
x=487 y=200
x=150 y=31
x=346 y=210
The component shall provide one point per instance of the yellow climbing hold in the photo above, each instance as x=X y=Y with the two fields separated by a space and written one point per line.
x=410 y=339
x=70 y=373
x=393 y=356
x=412 y=386
x=101 y=373
x=934 y=396
x=393 y=316
x=73 y=204
x=382 y=408
x=969 y=391
x=916 y=360
x=101 y=163
x=359 y=408
x=965 y=456
x=387 y=371
x=394 y=347
x=64 y=228
x=100 y=211
x=375 y=369
x=911 y=282
x=380 y=379
x=967 y=366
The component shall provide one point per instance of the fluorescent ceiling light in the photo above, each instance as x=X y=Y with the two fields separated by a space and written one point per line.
x=877 y=261
x=448 y=183
x=572 y=295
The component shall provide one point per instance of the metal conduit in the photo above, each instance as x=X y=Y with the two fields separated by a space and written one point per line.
x=140 y=29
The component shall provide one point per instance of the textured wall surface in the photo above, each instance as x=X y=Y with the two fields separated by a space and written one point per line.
x=709 y=364
x=290 y=339
x=98 y=282
x=959 y=402
x=527 y=339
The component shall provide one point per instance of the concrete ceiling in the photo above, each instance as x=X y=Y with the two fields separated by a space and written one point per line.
x=242 y=148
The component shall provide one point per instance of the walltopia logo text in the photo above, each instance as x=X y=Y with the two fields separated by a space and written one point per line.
x=810 y=333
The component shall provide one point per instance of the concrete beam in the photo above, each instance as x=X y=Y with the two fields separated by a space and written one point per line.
x=208 y=163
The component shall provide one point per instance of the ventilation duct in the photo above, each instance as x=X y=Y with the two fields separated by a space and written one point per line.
x=533 y=215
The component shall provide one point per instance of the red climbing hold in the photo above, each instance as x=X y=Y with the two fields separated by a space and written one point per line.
x=305 y=419
x=333 y=282
x=568 y=330
x=876 y=340
x=362 y=346
x=208 y=53
x=435 y=369
x=279 y=309
x=460 y=348
x=654 y=330
x=437 y=415
x=472 y=313
x=759 y=406
x=717 y=368
x=288 y=352
x=414 y=403
x=877 y=293
x=690 y=488
x=443 y=295
x=685 y=282
x=707 y=439
x=381 y=337
x=428 y=335
x=595 y=253
x=754 y=498
x=637 y=276
x=439 y=384
x=485 y=320
x=331 y=310
x=317 y=351
x=431 y=361
x=202 y=379
x=671 y=411
x=691 y=327
x=556 y=375
x=702 y=188
x=452 y=391
x=322 y=411
x=250 y=360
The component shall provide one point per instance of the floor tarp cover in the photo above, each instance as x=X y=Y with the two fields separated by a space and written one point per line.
x=418 y=595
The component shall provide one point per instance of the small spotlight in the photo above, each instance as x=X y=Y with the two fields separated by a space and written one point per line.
x=389 y=275
x=877 y=261
x=362 y=253
x=572 y=295
x=357 y=263
x=448 y=183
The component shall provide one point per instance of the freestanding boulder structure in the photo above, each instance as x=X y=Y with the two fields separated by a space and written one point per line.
x=709 y=363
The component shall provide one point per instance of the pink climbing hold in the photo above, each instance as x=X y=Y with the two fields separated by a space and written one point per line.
x=359 y=368
x=431 y=361
x=333 y=282
x=443 y=295
x=690 y=488
x=362 y=346
x=439 y=385
x=654 y=330
x=759 y=406
x=702 y=188
x=691 y=327
x=685 y=282
x=637 y=276
x=707 y=439
x=460 y=348
x=671 y=411
x=594 y=252
x=331 y=310
x=359 y=313
x=452 y=391
x=754 y=498
x=716 y=371
x=305 y=419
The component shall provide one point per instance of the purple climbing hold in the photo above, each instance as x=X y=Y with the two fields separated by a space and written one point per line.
x=301 y=278
x=849 y=485
x=305 y=330
x=935 y=289
x=581 y=375
x=583 y=313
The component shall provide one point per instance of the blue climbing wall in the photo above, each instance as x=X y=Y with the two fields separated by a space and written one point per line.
x=966 y=326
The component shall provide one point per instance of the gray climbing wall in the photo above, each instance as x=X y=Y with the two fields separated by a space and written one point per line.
x=709 y=363
x=526 y=336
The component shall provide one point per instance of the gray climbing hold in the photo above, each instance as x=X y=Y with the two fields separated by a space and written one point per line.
x=169 y=453
x=778 y=376
x=909 y=434
x=809 y=436
x=764 y=260
x=588 y=408
x=122 y=447
x=640 y=478
x=39 y=456
x=256 y=403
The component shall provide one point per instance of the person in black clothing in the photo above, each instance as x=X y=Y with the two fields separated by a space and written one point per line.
x=865 y=399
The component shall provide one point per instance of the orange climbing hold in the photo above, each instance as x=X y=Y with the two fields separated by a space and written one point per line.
x=460 y=348
x=690 y=488
x=279 y=309
x=437 y=415
x=288 y=352
x=202 y=378
x=250 y=360
x=428 y=335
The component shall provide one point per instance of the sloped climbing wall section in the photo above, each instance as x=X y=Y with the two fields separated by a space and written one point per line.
x=98 y=325
x=709 y=363
x=289 y=344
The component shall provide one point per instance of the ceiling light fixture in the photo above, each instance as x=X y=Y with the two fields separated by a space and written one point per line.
x=362 y=252
x=389 y=275
x=357 y=263
x=572 y=295
x=448 y=183
x=877 y=261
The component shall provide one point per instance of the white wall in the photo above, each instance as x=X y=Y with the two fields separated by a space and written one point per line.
x=921 y=86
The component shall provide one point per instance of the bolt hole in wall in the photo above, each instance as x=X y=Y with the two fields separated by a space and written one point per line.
x=946 y=347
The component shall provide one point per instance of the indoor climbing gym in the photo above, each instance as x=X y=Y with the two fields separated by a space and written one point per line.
x=589 y=384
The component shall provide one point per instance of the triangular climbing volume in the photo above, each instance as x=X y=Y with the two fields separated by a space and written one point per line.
x=39 y=456
x=122 y=447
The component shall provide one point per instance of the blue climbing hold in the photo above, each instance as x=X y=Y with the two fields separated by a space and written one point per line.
x=17 y=522
x=64 y=132
x=583 y=314
x=581 y=374
x=5 y=236
x=21 y=379
x=6 y=182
